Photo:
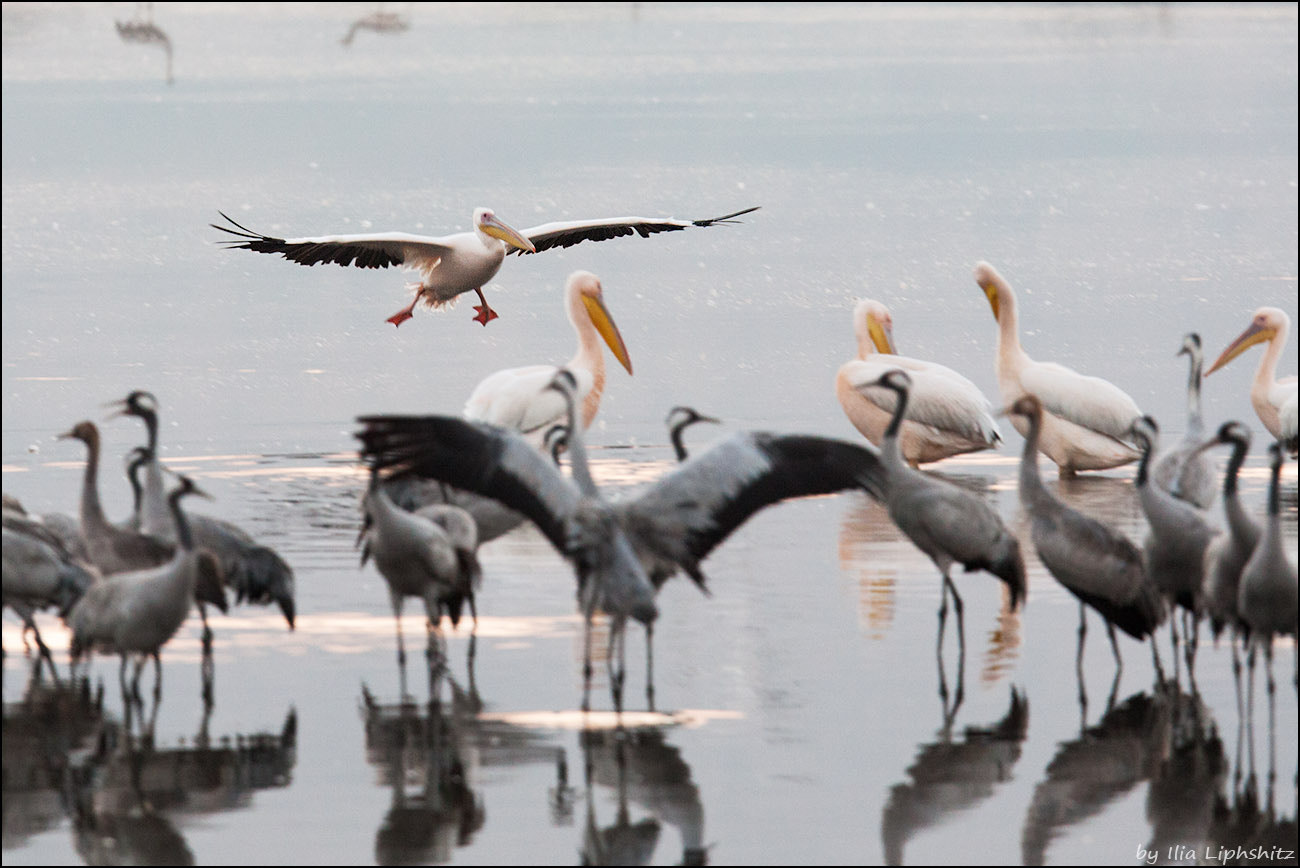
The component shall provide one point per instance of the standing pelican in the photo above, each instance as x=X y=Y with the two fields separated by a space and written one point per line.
x=1097 y=565
x=949 y=524
x=430 y=556
x=620 y=552
x=1186 y=470
x=518 y=398
x=453 y=264
x=947 y=414
x=1178 y=535
x=1267 y=599
x=1086 y=420
x=1268 y=395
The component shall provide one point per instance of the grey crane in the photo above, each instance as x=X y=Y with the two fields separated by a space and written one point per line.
x=137 y=612
x=949 y=524
x=1096 y=564
x=428 y=554
x=1178 y=535
x=112 y=549
x=39 y=573
x=620 y=551
x=1184 y=470
x=1266 y=600
x=256 y=573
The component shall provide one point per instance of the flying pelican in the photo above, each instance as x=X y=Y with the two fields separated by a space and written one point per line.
x=1086 y=420
x=138 y=612
x=1268 y=394
x=429 y=554
x=1178 y=535
x=1097 y=565
x=621 y=552
x=256 y=573
x=1186 y=470
x=1267 y=600
x=949 y=524
x=453 y=264
x=947 y=414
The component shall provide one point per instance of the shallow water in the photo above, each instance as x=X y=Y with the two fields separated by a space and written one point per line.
x=1131 y=170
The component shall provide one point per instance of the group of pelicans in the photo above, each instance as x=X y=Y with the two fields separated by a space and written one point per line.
x=440 y=486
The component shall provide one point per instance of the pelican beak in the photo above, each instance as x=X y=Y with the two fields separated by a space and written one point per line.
x=494 y=227
x=991 y=292
x=604 y=324
x=1257 y=333
x=882 y=336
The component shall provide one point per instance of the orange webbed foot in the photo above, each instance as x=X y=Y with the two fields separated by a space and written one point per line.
x=400 y=317
x=485 y=314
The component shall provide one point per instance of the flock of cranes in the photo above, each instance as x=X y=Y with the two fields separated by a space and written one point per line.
x=442 y=485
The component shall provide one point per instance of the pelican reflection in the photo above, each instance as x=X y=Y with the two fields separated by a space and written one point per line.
x=950 y=776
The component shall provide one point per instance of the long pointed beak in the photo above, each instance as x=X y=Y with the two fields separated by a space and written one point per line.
x=604 y=324
x=1255 y=334
x=122 y=408
x=882 y=336
x=494 y=227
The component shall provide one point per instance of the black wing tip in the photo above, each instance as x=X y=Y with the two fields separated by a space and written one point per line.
x=241 y=231
x=726 y=218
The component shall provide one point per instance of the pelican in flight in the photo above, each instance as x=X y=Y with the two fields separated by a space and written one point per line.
x=1274 y=400
x=453 y=264
x=621 y=552
x=1087 y=421
x=947 y=414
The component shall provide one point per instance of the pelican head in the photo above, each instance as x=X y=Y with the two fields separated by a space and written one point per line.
x=872 y=322
x=993 y=284
x=586 y=286
x=1265 y=325
x=487 y=223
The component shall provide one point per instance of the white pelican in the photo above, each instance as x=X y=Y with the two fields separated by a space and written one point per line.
x=1099 y=566
x=453 y=264
x=1086 y=420
x=949 y=524
x=947 y=414
x=138 y=612
x=518 y=398
x=1268 y=394
x=620 y=552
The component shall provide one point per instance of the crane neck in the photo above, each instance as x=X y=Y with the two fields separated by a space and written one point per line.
x=1194 y=423
x=184 y=537
x=577 y=449
x=1031 y=484
x=92 y=512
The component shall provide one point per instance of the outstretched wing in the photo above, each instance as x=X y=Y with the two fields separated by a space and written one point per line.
x=569 y=233
x=362 y=251
x=477 y=457
x=686 y=514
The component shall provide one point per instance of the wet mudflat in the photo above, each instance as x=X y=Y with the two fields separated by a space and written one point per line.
x=1131 y=171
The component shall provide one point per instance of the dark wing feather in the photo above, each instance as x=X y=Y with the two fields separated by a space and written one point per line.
x=477 y=457
x=361 y=251
x=687 y=513
x=566 y=234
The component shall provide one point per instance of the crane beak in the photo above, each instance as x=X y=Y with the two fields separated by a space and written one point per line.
x=122 y=408
x=604 y=324
x=1257 y=333
x=494 y=227
x=882 y=336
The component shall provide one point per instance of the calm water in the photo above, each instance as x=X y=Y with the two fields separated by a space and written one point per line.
x=1131 y=169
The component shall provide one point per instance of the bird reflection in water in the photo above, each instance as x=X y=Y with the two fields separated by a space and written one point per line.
x=378 y=21
x=950 y=776
x=141 y=29
x=48 y=724
x=1187 y=780
x=124 y=795
x=418 y=745
x=642 y=769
